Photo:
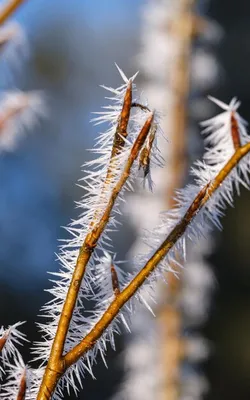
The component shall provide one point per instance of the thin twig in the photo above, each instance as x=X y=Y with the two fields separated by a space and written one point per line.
x=199 y=202
x=121 y=130
x=118 y=143
x=56 y=364
x=141 y=106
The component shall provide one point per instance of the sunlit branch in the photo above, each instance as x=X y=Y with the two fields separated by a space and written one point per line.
x=199 y=202
x=56 y=364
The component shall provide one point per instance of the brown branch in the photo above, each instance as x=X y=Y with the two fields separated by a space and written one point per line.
x=56 y=364
x=8 y=9
x=199 y=202
x=183 y=28
x=118 y=143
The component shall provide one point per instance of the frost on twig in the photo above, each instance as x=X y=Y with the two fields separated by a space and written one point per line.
x=76 y=331
x=95 y=273
x=21 y=382
x=10 y=338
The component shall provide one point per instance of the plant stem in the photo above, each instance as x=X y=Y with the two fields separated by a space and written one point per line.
x=200 y=200
x=56 y=364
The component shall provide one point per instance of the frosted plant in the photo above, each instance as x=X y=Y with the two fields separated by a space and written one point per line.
x=92 y=293
x=75 y=334
x=9 y=339
x=93 y=296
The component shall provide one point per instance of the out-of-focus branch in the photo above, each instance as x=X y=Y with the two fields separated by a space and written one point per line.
x=9 y=8
x=170 y=318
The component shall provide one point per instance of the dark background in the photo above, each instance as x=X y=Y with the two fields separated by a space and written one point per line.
x=73 y=47
x=229 y=323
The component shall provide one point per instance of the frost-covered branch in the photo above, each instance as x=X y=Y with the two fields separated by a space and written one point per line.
x=97 y=225
x=74 y=339
x=176 y=234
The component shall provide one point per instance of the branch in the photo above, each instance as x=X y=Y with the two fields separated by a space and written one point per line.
x=8 y=9
x=199 y=202
x=56 y=364
x=118 y=143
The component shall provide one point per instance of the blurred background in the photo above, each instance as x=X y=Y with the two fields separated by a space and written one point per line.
x=72 y=47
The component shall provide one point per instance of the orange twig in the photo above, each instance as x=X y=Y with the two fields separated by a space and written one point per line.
x=201 y=199
x=56 y=364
